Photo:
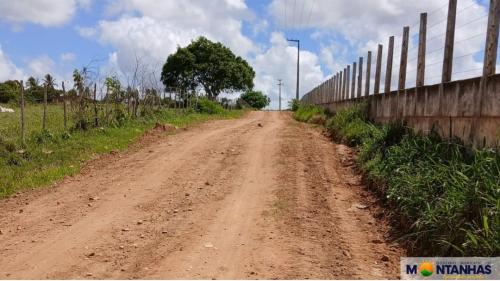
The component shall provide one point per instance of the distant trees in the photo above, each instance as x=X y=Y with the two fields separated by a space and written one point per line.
x=211 y=66
x=34 y=91
x=8 y=91
x=255 y=99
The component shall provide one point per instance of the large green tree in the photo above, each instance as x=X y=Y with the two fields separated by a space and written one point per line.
x=255 y=99
x=211 y=66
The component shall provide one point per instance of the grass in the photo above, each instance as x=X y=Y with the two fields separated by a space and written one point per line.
x=48 y=156
x=310 y=114
x=446 y=196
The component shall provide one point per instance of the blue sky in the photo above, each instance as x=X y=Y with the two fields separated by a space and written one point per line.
x=38 y=36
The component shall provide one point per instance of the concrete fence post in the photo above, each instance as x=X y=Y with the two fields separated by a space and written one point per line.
x=368 y=73
x=388 y=71
x=353 y=83
x=404 y=58
x=422 y=38
x=360 y=77
x=450 y=40
x=348 y=80
x=378 y=70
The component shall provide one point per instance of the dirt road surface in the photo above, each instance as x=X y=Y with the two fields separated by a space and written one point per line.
x=225 y=199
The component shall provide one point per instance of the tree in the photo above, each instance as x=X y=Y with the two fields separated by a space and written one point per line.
x=48 y=83
x=208 y=65
x=8 y=92
x=34 y=91
x=256 y=99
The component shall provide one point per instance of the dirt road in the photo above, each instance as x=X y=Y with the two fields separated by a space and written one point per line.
x=226 y=199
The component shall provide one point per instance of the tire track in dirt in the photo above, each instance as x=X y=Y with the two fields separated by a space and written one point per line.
x=227 y=199
x=69 y=229
x=325 y=219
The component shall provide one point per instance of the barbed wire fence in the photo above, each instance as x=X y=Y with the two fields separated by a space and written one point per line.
x=451 y=47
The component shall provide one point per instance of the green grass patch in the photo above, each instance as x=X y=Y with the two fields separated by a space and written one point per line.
x=446 y=195
x=310 y=114
x=51 y=155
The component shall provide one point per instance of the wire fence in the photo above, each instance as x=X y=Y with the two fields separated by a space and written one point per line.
x=464 y=24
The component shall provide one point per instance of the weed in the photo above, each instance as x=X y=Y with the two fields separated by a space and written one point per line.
x=446 y=195
x=310 y=113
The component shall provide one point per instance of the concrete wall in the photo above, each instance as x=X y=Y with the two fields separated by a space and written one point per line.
x=454 y=109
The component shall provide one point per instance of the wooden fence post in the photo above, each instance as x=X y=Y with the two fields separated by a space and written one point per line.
x=360 y=76
x=422 y=38
x=388 y=72
x=353 y=83
x=64 y=107
x=23 y=133
x=348 y=80
x=450 y=40
x=378 y=70
x=404 y=58
x=368 y=73
x=44 y=118
x=96 y=120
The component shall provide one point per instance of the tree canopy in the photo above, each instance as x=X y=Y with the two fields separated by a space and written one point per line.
x=256 y=99
x=211 y=66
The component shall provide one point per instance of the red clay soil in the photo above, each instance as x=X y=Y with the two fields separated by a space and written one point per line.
x=225 y=199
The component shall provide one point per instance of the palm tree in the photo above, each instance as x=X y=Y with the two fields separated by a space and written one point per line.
x=48 y=82
x=32 y=83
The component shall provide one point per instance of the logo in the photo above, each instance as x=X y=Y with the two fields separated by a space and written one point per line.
x=465 y=268
x=426 y=269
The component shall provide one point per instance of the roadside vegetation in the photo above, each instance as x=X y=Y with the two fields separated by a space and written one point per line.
x=445 y=196
x=63 y=126
x=309 y=114
x=254 y=99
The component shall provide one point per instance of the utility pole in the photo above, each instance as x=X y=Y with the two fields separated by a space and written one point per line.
x=298 y=69
x=280 y=84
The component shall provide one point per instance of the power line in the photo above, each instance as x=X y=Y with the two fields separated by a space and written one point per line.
x=285 y=14
x=474 y=20
x=310 y=12
x=468 y=38
x=302 y=12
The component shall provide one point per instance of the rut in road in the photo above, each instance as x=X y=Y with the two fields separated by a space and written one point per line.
x=225 y=199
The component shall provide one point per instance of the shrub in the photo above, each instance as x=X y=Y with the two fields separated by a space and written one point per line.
x=8 y=92
x=256 y=99
x=294 y=104
x=305 y=113
x=205 y=105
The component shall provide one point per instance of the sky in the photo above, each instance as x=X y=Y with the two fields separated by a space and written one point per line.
x=56 y=36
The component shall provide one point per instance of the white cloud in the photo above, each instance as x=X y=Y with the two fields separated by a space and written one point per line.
x=87 y=32
x=7 y=68
x=279 y=62
x=67 y=57
x=40 y=66
x=361 y=25
x=151 y=30
x=42 y=12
